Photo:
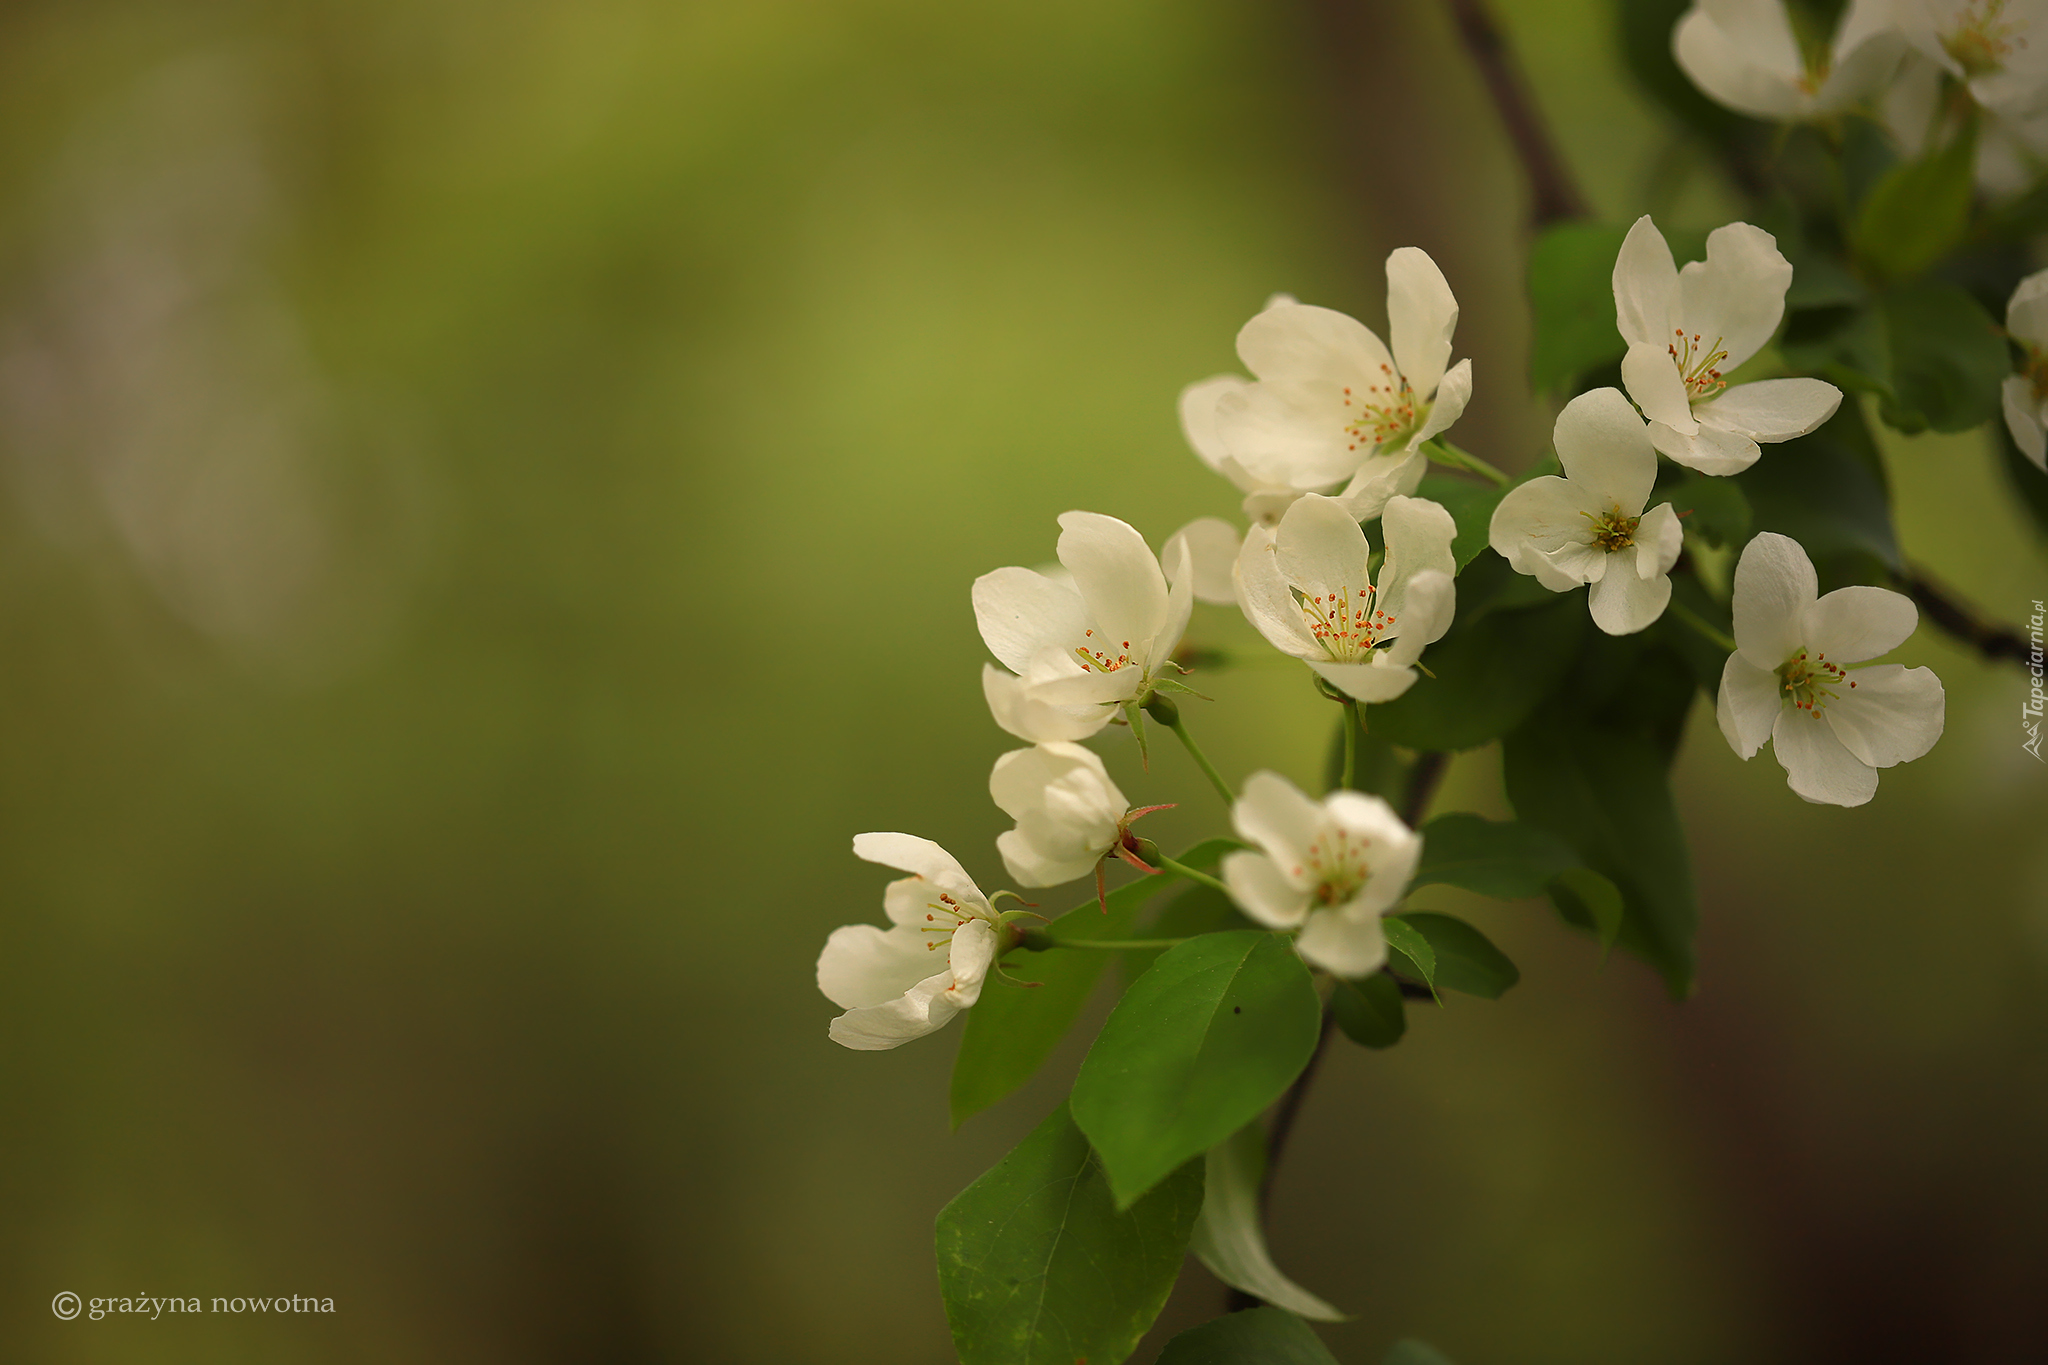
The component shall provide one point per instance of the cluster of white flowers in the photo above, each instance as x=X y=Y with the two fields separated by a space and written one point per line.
x=1333 y=432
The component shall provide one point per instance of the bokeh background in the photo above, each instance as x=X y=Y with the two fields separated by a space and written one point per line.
x=487 y=499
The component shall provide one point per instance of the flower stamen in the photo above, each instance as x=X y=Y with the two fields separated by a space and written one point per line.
x=1347 y=631
x=1810 y=684
x=1698 y=364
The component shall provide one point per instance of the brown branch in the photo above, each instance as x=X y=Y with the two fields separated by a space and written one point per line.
x=1554 y=194
x=1961 y=620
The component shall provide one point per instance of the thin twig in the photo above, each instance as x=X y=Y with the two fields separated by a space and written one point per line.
x=1554 y=195
x=1960 y=620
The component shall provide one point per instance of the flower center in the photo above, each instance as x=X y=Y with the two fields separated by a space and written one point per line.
x=1811 y=683
x=1348 y=629
x=1612 y=531
x=2036 y=371
x=1337 y=862
x=1104 y=659
x=1980 y=43
x=943 y=918
x=1387 y=411
x=1698 y=364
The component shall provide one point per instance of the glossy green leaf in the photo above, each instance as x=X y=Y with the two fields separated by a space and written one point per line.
x=1012 y=1029
x=1471 y=507
x=1948 y=358
x=1038 y=1265
x=1500 y=858
x=1594 y=767
x=1712 y=508
x=1370 y=1011
x=1827 y=491
x=1198 y=1047
x=1196 y=910
x=1589 y=900
x=1410 y=949
x=1413 y=1352
x=1466 y=959
x=1918 y=211
x=1256 y=1336
x=1230 y=1236
x=1571 y=298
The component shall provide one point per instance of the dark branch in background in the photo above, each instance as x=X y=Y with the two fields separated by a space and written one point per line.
x=1555 y=197
x=1421 y=789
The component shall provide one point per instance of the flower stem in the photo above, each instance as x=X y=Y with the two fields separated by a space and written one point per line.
x=1184 y=871
x=1443 y=452
x=1107 y=945
x=1700 y=624
x=1353 y=721
x=1180 y=728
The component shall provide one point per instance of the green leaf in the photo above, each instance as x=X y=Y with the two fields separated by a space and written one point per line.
x=1471 y=507
x=1948 y=358
x=1492 y=668
x=1230 y=1238
x=1197 y=1047
x=1571 y=295
x=1039 y=1267
x=1012 y=1029
x=1712 y=508
x=1370 y=1011
x=1413 y=1352
x=1918 y=211
x=1589 y=900
x=1499 y=858
x=1702 y=656
x=1195 y=911
x=1256 y=1336
x=1827 y=491
x=1410 y=942
x=1594 y=766
x=1465 y=959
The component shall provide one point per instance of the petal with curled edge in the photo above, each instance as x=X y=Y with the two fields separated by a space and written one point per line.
x=1893 y=715
x=1659 y=537
x=1818 y=766
x=1300 y=341
x=1737 y=295
x=1273 y=813
x=1771 y=409
x=2023 y=419
x=1212 y=544
x=1343 y=944
x=1732 y=72
x=1374 y=681
x=1651 y=377
x=1198 y=417
x=1118 y=577
x=1427 y=607
x=1606 y=450
x=1645 y=287
x=1021 y=613
x=2026 y=314
x=1422 y=314
x=925 y=1008
x=1319 y=550
x=1852 y=624
x=921 y=858
x=1546 y=514
x=863 y=965
x=1263 y=890
x=1267 y=602
x=1774 y=584
x=1381 y=479
x=1748 y=705
x=1708 y=450
x=1024 y=711
x=1452 y=396
x=1418 y=535
x=1624 y=602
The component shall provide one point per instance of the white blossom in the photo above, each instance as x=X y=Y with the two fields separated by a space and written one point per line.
x=1744 y=54
x=1999 y=48
x=1331 y=405
x=1079 y=647
x=884 y=978
x=1686 y=329
x=1307 y=586
x=1069 y=814
x=1832 y=726
x=1590 y=526
x=1330 y=868
x=2026 y=393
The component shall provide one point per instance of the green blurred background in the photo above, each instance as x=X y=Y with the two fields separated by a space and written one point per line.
x=489 y=497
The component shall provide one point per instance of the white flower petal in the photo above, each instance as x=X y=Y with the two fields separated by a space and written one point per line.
x=1725 y=61
x=1022 y=612
x=1418 y=536
x=1818 y=767
x=2023 y=419
x=1299 y=341
x=1392 y=849
x=925 y=1008
x=1658 y=538
x=1771 y=409
x=1544 y=515
x=1022 y=777
x=1605 y=449
x=1866 y=54
x=1263 y=890
x=1893 y=714
x=1198 y=417
x=1212 y=544
x=1273 y=813
x=1645 y=287
x=1428 y=602
x=1291 y=434
x=863 y=966
x=1350 y=946
x=1774 y=584
x=919 y=857
x=1264 y=597
x=1709 y=450
x=1118 y=577
x=973 y=952
x=1623 y=602
x=1453 y=392
x=1748 y=705
x=1421 y=316
x=1852 y=624
x=1320 y=550
x=1371 y=682
x=1735 y=297
x=1386 y=476
x=1022 y=710
x=2026 y=314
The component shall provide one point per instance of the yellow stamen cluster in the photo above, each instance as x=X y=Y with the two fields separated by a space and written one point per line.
x=1348 y=631
x=1980 y=43
x=1387 y=410
x=1612 y=531
x=1337 y=862
x=1811 y=683
x=1698 y=364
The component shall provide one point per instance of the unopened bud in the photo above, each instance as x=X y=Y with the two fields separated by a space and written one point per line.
x=1143 y=848
x=1163 y=709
